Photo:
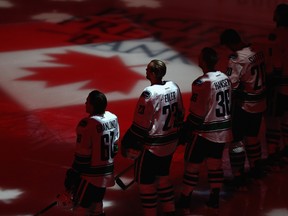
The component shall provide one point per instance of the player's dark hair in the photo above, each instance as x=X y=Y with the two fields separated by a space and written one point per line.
x=230 y=36
x=98 y=100
x=158 y=67
x=210 y=57
x=281 y=15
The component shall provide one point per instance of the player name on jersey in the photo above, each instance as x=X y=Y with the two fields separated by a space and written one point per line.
x=107 y=126
x=170 y=97
x=221 y=84
x=258 y=57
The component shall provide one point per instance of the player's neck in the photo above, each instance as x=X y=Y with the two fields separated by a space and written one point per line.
x=240 y=46
x=157 y=82
x=206 y=70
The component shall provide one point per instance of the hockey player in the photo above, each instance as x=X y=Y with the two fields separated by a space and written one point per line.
x=93 y=166
x=277 y=112
x=208 y=129
x=246 y=71
x=154 y=134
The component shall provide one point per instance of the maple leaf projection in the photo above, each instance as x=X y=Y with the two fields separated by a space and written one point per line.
x=106 y=74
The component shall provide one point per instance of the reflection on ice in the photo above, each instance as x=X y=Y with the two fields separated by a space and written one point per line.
x=8 y=195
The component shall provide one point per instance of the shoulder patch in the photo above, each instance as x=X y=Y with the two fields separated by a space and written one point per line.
x=83 y=123
x=233 y=56
x=146 y=94
x=197 y=82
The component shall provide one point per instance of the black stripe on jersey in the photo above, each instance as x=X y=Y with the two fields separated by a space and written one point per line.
x=83 y=159
x=252 y=97
x=100 y=170
x=81 y=162
x=215 y=126
x=94 y=171
x=162 y=139
x=139 y=131
x=195 y=120
x=142 y=134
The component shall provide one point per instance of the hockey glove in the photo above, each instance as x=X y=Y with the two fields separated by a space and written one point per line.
x=72 y=180
x=133 y=154
x=131 y=146
x=65 y=200
x=185 y=133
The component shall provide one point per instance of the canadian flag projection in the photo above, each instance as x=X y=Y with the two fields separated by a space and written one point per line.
x=63 y=76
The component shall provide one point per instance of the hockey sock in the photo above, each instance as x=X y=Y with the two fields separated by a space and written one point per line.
x=273 y=135
x=273 y=141
x=213 y=201
x=96 y=209
x=166 y=194
x=215 y=172
x=253 y=151
x=237 y=157
x=284 y=129
x=215 y=178
x=148 y=196
x=184 y=201
x=190 y=180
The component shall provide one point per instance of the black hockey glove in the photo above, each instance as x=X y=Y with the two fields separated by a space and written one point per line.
x=72 y=180
x=185 y=133
x=131 y=146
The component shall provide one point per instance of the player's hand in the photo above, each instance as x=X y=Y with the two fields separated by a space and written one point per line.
x=72 y=180
x=129 y=143
x=185 y=134
x=65 y=200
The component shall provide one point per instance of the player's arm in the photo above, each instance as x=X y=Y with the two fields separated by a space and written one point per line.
x=134 y=138
x=180 y=115
x=144 y=111
x=199 y=104
x=131 y=144
x=115 y=145
x=234 y=71
x=83 y=154
x=73 y=175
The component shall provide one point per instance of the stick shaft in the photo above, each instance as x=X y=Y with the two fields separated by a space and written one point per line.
x=46 y=208
x=119 y=182
x=124 y=171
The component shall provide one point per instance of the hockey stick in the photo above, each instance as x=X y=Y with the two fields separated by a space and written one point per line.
x=123 y=186
x=118 y=180
x=46 y=208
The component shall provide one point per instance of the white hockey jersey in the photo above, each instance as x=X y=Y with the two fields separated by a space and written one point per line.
x=210 y=107
x=156 y=118
x=247 y=73
x=96 y=137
